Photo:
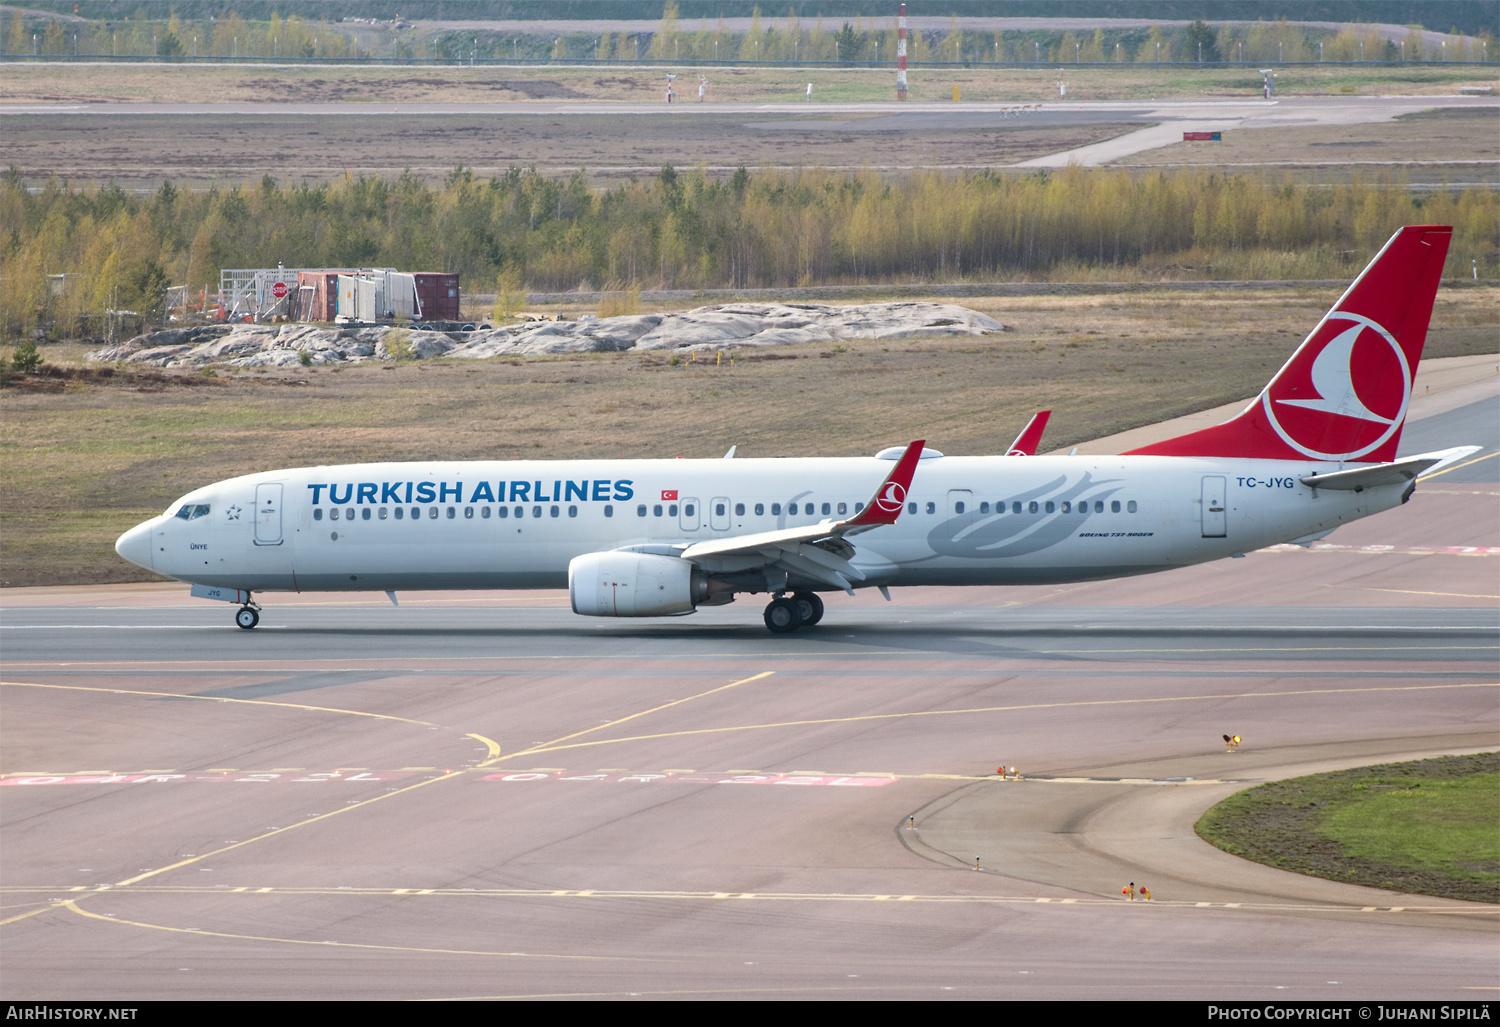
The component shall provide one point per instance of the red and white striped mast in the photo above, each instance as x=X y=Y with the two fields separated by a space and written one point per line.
x=901 y=54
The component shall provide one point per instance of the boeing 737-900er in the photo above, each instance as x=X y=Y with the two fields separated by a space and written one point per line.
x=656 y=538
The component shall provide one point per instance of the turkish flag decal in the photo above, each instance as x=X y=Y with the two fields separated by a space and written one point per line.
x=669 y=494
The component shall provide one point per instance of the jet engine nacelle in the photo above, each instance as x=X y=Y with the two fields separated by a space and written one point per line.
x=622 y=584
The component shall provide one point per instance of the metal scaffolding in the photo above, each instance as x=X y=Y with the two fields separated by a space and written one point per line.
x=252 y=290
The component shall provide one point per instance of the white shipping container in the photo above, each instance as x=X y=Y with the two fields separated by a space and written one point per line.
x=348 y=287
x=401 y=296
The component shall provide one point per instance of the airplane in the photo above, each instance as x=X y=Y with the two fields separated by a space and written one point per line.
x=655 y=538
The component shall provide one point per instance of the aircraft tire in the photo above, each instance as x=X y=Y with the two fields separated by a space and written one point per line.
x=783 y=616
x=810 y=606
x=247 y=618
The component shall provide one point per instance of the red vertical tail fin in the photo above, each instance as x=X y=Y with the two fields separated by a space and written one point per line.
x=1343 y=394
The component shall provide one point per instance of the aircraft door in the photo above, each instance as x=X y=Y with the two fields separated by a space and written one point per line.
x=268 y=514
x=1215 y=523
x=960 y=502
x=718 y=513
x=690 y=515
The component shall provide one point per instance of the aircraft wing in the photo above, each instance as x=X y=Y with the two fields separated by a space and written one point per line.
x=820 y=551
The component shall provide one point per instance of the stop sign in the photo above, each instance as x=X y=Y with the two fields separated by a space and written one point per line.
x=279 y=290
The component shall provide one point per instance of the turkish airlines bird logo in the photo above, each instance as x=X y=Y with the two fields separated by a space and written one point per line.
x=1344 y=393
x=891 y=497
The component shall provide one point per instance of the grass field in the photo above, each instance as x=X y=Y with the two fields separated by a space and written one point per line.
x=1431 y=827
x=83 y=459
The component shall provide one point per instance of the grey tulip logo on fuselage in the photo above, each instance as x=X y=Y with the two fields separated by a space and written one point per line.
x=1004 y=534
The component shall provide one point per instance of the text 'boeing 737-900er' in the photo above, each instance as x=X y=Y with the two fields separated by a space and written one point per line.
x=657 y=538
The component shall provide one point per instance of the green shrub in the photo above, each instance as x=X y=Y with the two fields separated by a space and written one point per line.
x=26 y=357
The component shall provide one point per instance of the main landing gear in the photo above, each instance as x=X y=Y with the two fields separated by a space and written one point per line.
x=248 y=615
x=787 y=613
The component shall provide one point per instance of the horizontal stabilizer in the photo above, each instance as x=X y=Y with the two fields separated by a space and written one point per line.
x=1358 y=479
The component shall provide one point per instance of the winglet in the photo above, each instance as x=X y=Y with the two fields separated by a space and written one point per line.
x=1029 y=440
x=885 y=505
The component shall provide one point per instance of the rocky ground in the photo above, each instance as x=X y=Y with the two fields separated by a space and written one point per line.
x=705 y=328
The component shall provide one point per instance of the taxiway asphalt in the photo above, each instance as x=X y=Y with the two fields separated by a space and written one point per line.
x=486 y=796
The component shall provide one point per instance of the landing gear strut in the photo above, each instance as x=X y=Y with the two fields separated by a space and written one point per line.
x=248 y=616
x=790 y=612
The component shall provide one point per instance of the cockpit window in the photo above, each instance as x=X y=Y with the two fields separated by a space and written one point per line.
x=192 y=511
x=201 y=510
x=185 y=512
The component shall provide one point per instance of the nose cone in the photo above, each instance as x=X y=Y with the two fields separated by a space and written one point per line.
x=135 y=545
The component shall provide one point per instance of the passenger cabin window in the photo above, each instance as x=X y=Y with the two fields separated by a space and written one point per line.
x=1033 y=507
x=958 y=507
x=760 y=509
x=984 y=507
x=775 y=509
x=672 y=510
x=1130 y=507
x=739 y=509
x=484 y=512
x=318 y=513
x=931 y=507
x=400 y=512
x=432 y=513
x=1015 y=507
x=609 y=510
x=452 y=513
x=827 y=509
x=468 y=513
x=1114 y=506
x=384 y=513
x=656 y=510
x=911 y=508
x=640 y=511
x=504 y=512
x=333 y=514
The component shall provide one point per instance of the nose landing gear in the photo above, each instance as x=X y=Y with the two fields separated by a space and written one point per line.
x=787 y=613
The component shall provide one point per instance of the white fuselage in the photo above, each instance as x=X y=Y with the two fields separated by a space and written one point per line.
x=517 y=524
